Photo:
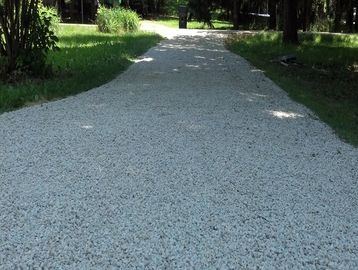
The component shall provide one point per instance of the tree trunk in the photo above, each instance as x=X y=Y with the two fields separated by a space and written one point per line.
x=349 y=16
x=356 y=17
x=290 y=22
x=337 y=16
x=272 y=9
x=236 y=13
x=306 y=17
x=328 y=8
x=279 y=15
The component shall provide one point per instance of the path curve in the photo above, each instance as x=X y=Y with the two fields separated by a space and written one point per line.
x=191 y=159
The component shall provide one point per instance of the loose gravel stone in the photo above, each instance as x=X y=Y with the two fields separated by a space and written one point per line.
x=191 y=159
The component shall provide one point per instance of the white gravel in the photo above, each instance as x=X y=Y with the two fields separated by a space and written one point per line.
x=191 y=159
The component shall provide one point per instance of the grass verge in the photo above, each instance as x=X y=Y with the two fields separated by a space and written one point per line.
x=87 y=59
x=174 y=23
x=325 y=80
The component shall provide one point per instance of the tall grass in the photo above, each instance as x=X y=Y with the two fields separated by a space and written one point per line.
x=117 y=20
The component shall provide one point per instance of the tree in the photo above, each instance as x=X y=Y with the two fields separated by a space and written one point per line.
x=272 y=10
x=349 y=15
x=25 y=36
x=306 y=14
x=236 y=13
x=201 y=10
x=337 y=15
x=290 y=35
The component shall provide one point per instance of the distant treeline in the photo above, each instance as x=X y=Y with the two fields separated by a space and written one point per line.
x=312 y=15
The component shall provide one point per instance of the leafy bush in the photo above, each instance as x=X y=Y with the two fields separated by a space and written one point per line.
x=117 y=20
x=50 y=12
x=27 y=35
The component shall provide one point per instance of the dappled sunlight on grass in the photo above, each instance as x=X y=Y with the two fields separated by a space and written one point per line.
x=331 y=40
x=89 y=44
x=87 y=59
x=324 y=77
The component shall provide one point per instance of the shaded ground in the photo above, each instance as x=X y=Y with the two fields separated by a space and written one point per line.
x=191 y=159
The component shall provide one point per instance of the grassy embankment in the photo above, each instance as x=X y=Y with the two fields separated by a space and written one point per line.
x=87 y=59
x=325 y=80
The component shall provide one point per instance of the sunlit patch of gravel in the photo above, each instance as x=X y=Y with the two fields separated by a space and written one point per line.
x=191 y=159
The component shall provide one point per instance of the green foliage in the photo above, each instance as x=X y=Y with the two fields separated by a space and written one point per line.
x=87 y=59
x=171 y=6
x=202 y=10
x=322 y=25
x=50 y=12
x=326 y=80
x=27 y=35
x=330 y=40
x=117 y=20
x=254 y=23
x=41 y=41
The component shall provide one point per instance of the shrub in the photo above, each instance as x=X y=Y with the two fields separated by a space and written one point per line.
x=50 y=12
x=26 y=37
x=117 y=20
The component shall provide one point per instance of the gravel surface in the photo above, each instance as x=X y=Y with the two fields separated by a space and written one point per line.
x=191 y=159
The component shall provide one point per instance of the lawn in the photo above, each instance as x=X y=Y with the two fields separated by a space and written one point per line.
x=174 y=23
x=87 y=59
x=325 y=78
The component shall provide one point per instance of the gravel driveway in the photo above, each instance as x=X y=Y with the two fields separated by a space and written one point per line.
x=191 y=159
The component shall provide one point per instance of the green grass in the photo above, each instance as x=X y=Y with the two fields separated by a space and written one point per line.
x=174 y=23
x=87 y=59
x=327 y=80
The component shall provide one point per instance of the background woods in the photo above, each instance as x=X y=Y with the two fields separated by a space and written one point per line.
x=312 y=15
